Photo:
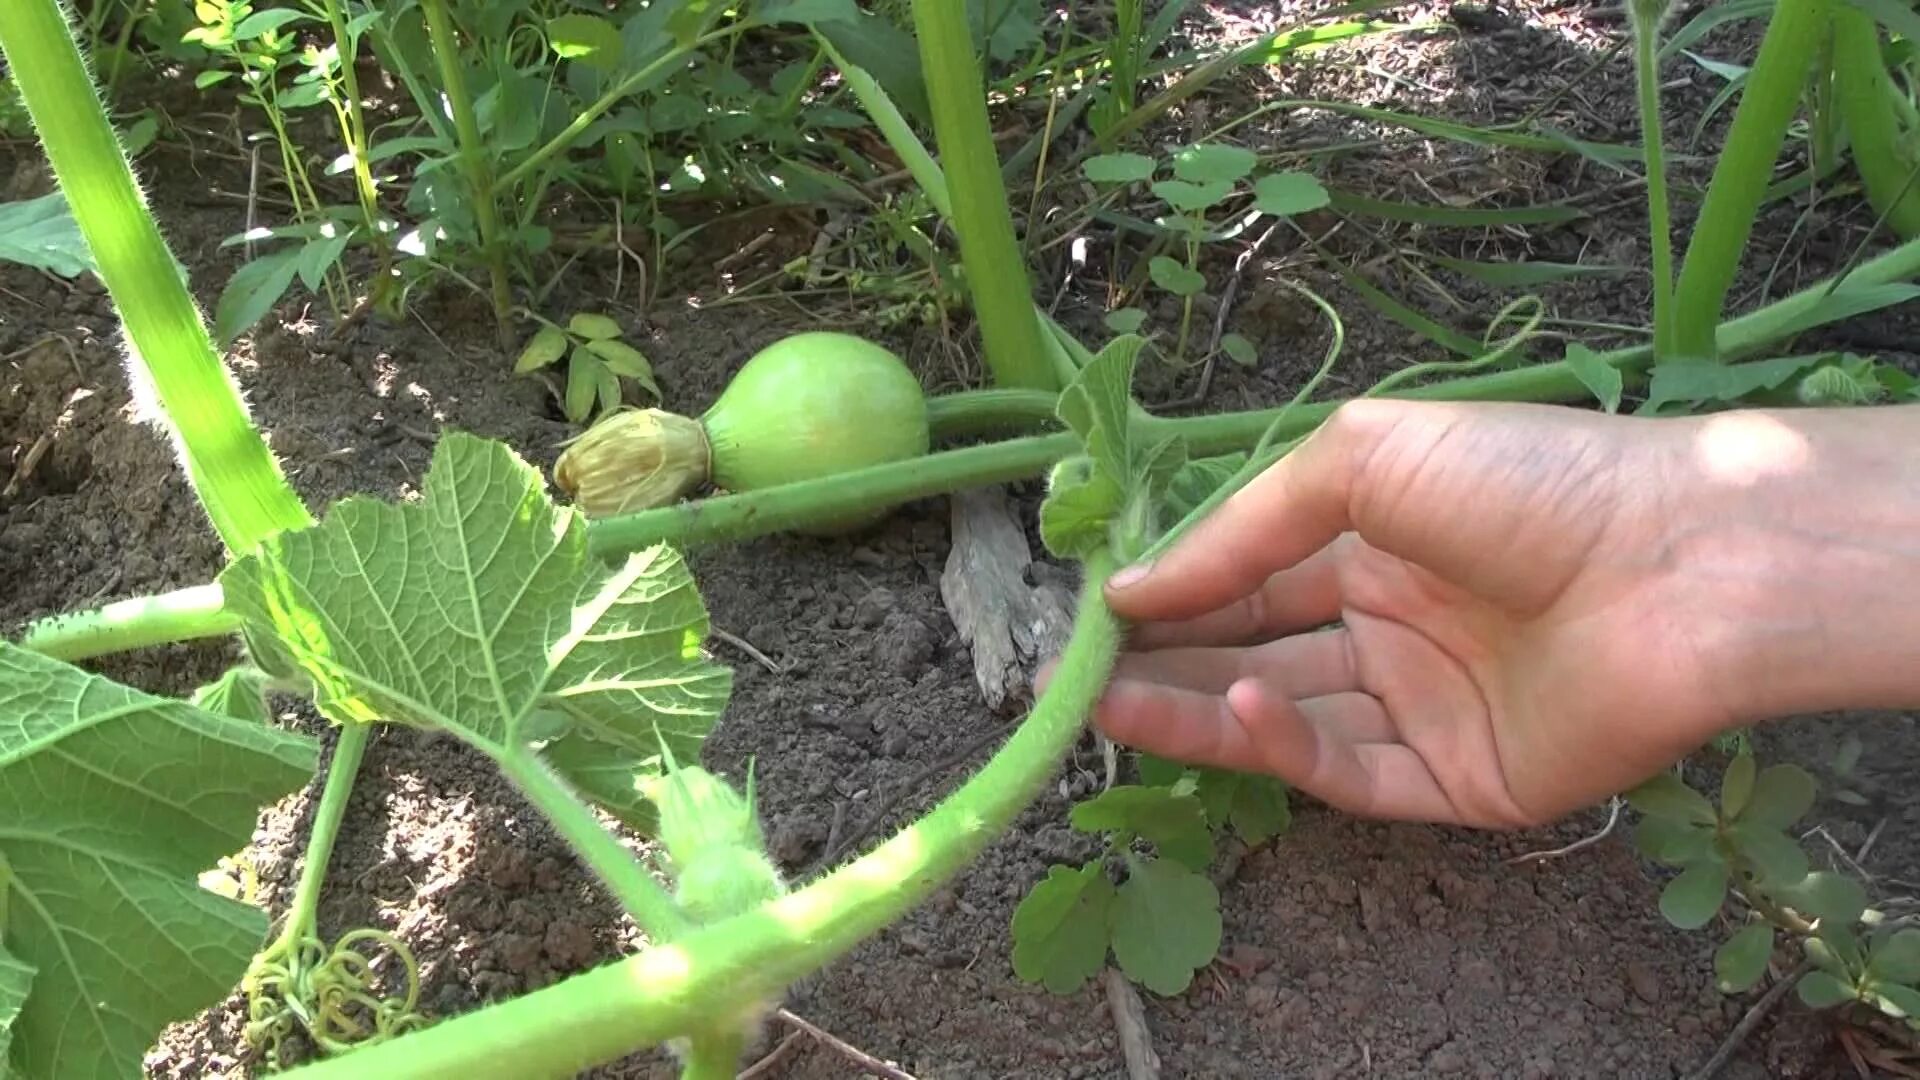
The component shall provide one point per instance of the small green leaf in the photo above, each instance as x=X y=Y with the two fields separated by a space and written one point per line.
x=607 y=389
x=1676 y=843
x=1260 y=809
x=583 y=385
x=593 y=327
x=1197 y=480
x=1214 y=163
x=625 y=360
x=252 y=292
x=1742 y=959
x=1174 y=276
x=1692 y=382
x=1736 y=785
x=1828 y=896
x=1896 y=1000
x=1690 y=900
x=1165 y=925
x=1156 y=771
x=1081 y=502
x=1840 y=946
x=1598 y=376
x=1897 y=957
x=261 y=23
x=1781 y=862
x=1288 y=193
x=240 y=694
x=579 y=36
x=1173 y=822
x=548 y=345
x=1819 y=990
x=1239 y=350
x=211 y=78
x=1060 y=928
x=1125 y=320
x=1117 y=168
x=1782 y=794
x=1665 y=795
x=1190 y=197
x=319 y=255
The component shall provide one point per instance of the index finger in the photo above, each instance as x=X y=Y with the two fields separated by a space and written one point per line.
x=1296 y=507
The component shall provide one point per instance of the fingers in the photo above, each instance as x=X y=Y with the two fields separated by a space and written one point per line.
x=1288 y=512
x=1308 y=665
x=1295 y=599
x=1204 y=729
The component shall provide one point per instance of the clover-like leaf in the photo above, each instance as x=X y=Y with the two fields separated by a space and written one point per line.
x=112 y=803
x=1175 y=276
x=1060 y=929
x=1897 y=957
x=479 y=611
x=1125 y=320
x=1741 y=960
x=1896 y=1000
x=1736 y=787
x=1165 y=925
x=1690 y=900
x=1820 y=990
x=1214 y=163
x=1239 y=349
x=1782 y=794
x=1175 y=823
x=1187 y=196
x=1156 y=771
x=1288 y=193
x=1828 y=896
x=1260 y=810
x=1117 y=168
x=1665 y=795
x=1780 y=861
x=546 y=346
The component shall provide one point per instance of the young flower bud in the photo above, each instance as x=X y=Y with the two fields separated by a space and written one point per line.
x=634 y=460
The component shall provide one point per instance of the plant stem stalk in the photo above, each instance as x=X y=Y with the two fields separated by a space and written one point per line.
x=978 y=412
x=624 y=877
x=671 y=989
x=348 y=751
x=473 y=162
x=1646 y=34
x=1864 y=94
x=1740 y=178
x=714 y=1057
x=996 y=274
x=234 y=475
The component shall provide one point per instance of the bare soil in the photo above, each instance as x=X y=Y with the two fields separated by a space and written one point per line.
x=1352 y=948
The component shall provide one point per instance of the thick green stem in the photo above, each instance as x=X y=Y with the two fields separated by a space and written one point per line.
x=714 y=1057
x=996 y=272
x=978 y=412
x=188 y=614
x=233 y=473
x=1646 y=34
x=1745 y=168
x=302 y=917
x=671 y=989
x=473 y=161
x=1864 y=94
x=624 y=877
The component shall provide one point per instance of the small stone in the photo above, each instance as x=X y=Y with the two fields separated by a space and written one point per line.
x=905 y=645
x=1447 y=1060
x=796 y=837
x=873 y=608
x=1645 y=984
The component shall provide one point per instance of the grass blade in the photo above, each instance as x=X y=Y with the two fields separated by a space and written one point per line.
x=1462 y=217
x=1523 y=274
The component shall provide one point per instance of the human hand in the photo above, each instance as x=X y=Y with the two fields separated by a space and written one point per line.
x=1538 y=607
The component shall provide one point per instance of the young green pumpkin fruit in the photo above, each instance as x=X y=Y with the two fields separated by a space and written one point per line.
x=807 y=406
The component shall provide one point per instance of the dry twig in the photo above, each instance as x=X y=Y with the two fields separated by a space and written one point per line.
x=873 y=1066
x=1751 y=1020
x=1130 y=1018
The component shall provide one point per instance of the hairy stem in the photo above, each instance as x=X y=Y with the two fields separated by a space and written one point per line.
x=189 y=614
x=1745 y=168
x=996 y=273
x=473 y=161
x=676 y=988
x=624 y=877
x=302 y=916
x=234 y=475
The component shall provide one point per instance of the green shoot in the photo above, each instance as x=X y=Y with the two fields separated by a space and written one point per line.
x=1646 y=17
x=473 y=160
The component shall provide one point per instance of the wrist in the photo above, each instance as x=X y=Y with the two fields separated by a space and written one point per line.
x=1802 y=529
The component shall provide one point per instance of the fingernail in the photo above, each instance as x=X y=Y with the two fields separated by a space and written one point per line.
x=1129 y=575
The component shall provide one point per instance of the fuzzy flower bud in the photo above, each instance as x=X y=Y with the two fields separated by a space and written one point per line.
x=632 y=460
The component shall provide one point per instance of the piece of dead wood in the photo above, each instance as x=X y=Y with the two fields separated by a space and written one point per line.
x=1130 y=1019
x=1009 y=622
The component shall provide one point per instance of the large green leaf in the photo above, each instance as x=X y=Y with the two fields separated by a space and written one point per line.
x=16 y=979
x=112 y=802
x=477 y=610
x=42 y=233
